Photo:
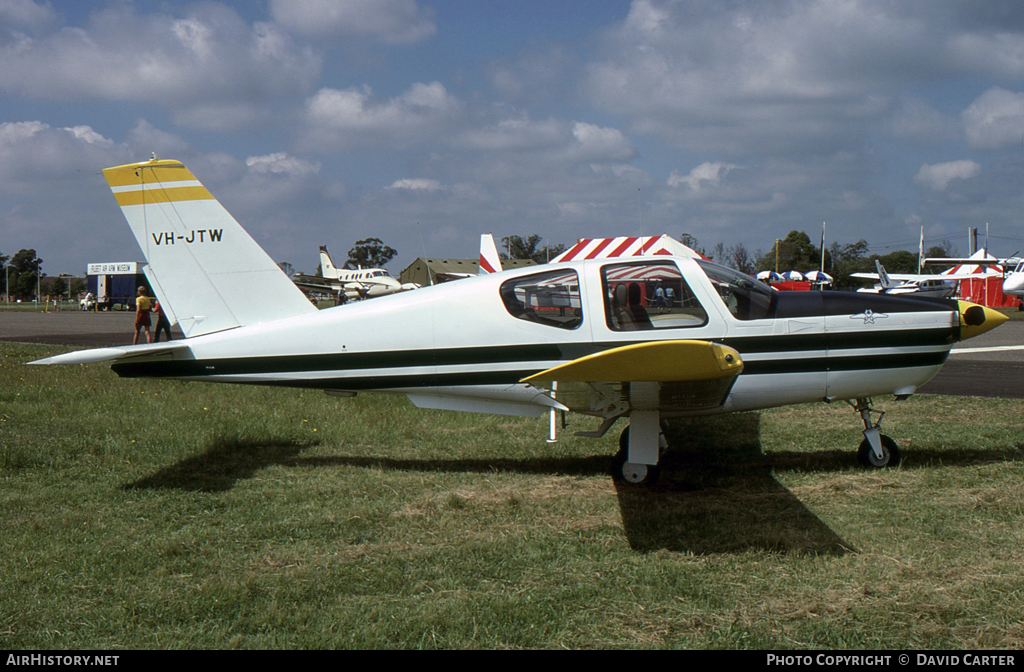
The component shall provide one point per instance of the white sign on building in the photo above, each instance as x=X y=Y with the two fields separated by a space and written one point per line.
x=116 y=268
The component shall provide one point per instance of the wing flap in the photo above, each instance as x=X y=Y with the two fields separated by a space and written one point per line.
x=661 y=361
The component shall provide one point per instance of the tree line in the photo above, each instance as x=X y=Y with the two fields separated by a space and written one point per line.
x=796 y=252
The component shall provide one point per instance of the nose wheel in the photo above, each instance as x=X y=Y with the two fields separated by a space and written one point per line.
x=876 y=451
x=890 y=453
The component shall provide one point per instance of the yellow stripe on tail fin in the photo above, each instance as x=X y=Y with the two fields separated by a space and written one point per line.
x=212 y=274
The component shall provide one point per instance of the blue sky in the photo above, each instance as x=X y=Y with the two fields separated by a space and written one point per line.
x=427 y=123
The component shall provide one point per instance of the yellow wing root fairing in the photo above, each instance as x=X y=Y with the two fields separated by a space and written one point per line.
x=661 y=361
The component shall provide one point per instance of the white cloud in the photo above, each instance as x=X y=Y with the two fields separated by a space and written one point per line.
x=353 y=117
x=32 y=151
x=995 y=120
x=706 y=174
x=915 y=120
x=807 y=76
x=997 y=53
x=417 y=184
x=210 y=59
x=939 y=175
x=594 y=143
x=390 y=21
x=281 y=163
x=550 y=140
x=25 y=15
x=515 y=134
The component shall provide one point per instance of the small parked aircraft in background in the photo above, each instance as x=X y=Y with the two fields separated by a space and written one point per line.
x=359 y=283
x=941 y=286
x=712 y=340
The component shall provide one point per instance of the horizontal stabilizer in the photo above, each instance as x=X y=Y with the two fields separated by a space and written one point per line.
x=111 y=354
x=662 y=361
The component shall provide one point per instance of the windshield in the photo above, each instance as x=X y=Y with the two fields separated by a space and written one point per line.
x=745 y=297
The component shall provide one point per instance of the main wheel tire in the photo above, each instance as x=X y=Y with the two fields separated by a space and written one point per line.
x=631 y=472
x=890 y=454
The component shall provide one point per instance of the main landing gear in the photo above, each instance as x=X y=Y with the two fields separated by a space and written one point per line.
x=877 y=450
x=636 y=463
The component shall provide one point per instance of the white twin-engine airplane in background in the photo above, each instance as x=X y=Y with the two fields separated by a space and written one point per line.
x=359 y=283
x=710 y=341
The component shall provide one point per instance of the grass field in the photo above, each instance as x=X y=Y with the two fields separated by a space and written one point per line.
x=149 y=514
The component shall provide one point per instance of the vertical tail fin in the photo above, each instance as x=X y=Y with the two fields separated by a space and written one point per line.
x=883 y=277
x=212 y=274
x=490 y=262
x=327 y=267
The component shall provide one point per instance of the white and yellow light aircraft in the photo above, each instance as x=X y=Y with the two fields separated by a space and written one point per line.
x=358 y=283
x=719 y=341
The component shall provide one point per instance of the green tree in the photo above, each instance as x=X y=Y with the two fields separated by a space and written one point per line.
x=370 y=253
x=3 y=273
x=25 y=271
x=900 y=261
x=739 y=258
x=691 y=242
x=847 y=259
x=58 y=287
x=944 y=250
x=517 y=247
x=793 y=253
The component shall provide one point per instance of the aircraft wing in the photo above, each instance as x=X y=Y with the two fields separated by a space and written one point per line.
x=316 y=282
x=658 y=361
x=690 y=374
x=972 y=261
x=911 y=277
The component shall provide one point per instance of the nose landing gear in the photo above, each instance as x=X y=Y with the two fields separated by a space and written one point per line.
x=877 y=451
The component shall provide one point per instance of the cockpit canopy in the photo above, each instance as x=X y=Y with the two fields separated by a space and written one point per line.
x=638 y=296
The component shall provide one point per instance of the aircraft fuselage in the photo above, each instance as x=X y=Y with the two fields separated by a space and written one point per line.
x=461 y=340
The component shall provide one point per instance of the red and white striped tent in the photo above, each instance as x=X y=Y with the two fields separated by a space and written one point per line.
x=987 y=289
x=625 y=246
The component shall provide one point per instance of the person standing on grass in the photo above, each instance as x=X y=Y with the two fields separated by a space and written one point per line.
x=142 y=316
x=162 y=323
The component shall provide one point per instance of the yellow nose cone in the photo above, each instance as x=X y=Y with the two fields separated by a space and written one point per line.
x=975 y=319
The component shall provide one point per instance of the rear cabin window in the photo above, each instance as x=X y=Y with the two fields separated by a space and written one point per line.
x=646 y=295
x=745 y=297
x=551 y=298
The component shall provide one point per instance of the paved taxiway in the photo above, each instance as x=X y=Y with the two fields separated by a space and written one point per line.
x=990 y=365
x=71 y=327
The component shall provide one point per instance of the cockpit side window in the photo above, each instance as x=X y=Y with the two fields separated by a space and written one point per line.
x=645 y=295
x=551 y=298
x=745 y=297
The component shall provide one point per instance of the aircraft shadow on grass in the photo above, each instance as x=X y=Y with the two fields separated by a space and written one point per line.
x=716 y=494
